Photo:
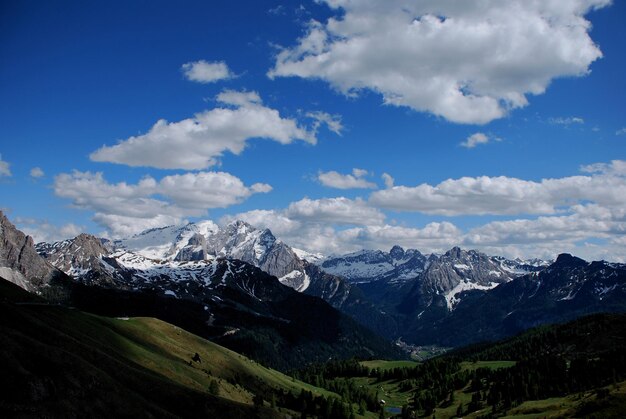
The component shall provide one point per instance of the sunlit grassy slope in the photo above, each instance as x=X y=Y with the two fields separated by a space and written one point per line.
x=60 y=362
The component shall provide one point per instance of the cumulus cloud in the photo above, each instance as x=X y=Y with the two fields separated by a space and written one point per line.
x=468 y=62
x=206 y=72
x=36 y=172
x=44 y=231
x=508 y=196
x=476 y=139
x=356 y=180
x=197 y=143
x=125 y=208
x=334 y=211
x=5 y=168
x=621 y=131
x=207 y=189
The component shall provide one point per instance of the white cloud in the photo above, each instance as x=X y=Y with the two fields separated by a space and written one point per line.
x=332 y=122
x=543 y=237
x=582 y=215
x=277 y=11
x=621 y=131
x=508 y=196
x=547 y=236
x=125 y=208
x=615 y=167
x=468 y=62
x=433 y=237
x=206 y=72
x=334 y=211
x=337 y=180
x=476 y=139
x=5 y=168
x=207 y=189
x=125 y=226
x=388 y=179
x=313 y=231
x=567 y=120
x=44 y=231
x=36 y=172
x=197 y=143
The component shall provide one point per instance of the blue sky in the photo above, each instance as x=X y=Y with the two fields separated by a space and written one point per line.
x=499 y=127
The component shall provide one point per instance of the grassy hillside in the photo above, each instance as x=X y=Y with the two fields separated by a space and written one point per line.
x=58 y=362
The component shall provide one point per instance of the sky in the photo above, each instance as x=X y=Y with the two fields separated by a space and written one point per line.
x=338 y=124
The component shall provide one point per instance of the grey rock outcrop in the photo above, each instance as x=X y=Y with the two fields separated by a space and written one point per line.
x=19 y=261
x=80 y=253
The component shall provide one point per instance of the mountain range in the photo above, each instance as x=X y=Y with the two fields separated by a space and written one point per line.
x=450 y=299
x=226 y=300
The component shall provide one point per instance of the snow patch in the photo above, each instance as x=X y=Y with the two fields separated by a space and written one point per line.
x=297 y=280
x=451 y=296
x=309 y=257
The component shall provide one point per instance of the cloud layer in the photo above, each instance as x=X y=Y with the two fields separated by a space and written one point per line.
x=502 y=195
x=584 y=215
x=468 y=62
x=338 y=225
x=196 y=143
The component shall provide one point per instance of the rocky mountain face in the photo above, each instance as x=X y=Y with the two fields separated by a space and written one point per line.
x=565 y=290
x=409 y=281
x=448 y=275
x=19 y=261
x=76 y=255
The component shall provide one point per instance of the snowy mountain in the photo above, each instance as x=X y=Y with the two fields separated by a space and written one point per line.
x=205 y=241
x=371 y=265
x=197 y=252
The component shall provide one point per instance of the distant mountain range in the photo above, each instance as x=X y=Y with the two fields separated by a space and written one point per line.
x=459 y=297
